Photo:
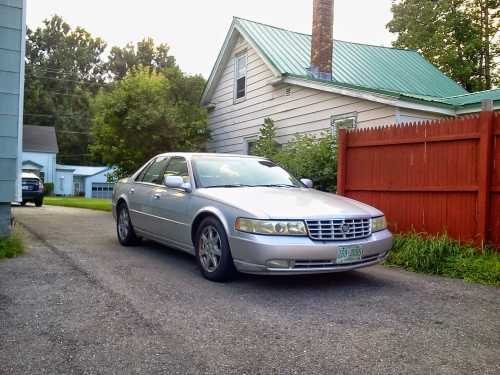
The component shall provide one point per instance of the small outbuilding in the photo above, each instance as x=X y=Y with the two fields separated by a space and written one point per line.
x=90 y=182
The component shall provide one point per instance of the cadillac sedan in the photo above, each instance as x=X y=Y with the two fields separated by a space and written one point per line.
x=243 y=213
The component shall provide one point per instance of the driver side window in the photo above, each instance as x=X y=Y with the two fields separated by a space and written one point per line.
x=178 y=167
x=154 y=173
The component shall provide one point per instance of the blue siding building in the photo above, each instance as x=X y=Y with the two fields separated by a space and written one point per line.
x=12 y=51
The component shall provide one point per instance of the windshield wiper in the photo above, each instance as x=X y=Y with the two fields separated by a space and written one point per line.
x=228 y=186
x=277 y=185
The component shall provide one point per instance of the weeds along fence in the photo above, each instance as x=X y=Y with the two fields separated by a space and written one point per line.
x=434 y=177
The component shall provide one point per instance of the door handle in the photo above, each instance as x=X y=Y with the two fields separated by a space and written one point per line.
x=132 y=191
x=156 y=196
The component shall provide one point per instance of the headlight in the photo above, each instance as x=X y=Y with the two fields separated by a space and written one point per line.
x=378 y=223
x=271 y=227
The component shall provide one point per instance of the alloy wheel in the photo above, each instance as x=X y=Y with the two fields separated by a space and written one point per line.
x=210 y=248
x=123 y=223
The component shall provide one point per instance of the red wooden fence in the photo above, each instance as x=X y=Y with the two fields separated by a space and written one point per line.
x=433 y=177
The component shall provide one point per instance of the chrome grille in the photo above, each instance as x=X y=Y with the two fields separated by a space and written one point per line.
x=339 y=229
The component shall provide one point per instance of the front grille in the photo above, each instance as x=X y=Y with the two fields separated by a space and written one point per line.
x=339 y=229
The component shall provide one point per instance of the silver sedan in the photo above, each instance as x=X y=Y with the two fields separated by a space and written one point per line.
x=243 y=213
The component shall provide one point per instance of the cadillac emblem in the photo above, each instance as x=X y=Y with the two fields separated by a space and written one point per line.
x=346 y=228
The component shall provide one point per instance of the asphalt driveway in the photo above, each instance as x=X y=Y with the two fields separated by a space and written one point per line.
x=78 y=303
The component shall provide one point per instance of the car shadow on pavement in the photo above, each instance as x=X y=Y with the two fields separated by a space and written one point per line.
x=357 y=279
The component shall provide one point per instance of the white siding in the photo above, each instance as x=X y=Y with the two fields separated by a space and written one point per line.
x=63 y=184
x=47 y=160
x=409 y=115
x=304 y=110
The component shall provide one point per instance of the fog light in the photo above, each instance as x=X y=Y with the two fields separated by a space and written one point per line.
x=279 y=263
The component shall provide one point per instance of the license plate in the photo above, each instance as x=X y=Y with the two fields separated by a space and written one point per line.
x=26 y=188
x=349 y=254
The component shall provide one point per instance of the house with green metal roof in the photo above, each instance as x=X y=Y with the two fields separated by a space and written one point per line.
x=265 y=71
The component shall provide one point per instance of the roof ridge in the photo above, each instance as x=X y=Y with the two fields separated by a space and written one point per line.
x=472 y=93
x=335 y=40
x=272 y=26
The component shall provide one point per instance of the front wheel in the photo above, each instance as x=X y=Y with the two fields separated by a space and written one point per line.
x=213 y=254
x=39 y=202
x=124 y=228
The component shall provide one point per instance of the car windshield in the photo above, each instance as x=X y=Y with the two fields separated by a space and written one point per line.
x=239 y=172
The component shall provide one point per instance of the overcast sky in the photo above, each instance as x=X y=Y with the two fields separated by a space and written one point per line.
x=195 y=29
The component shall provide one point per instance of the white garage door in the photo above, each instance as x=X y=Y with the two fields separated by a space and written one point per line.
x=102 y=190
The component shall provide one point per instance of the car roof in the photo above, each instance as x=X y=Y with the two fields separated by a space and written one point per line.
x=190 y=155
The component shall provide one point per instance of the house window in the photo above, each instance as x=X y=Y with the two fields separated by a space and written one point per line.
x=240 y=68
x=344 y=121
x=251 y=143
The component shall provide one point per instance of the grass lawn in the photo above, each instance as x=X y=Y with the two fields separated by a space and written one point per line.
x=11 y=246
x=440 y=255
x=79 y=202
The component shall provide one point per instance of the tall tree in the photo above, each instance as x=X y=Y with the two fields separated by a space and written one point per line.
x=145 y=53
x=64 y=69
x=461 y=37
x=147 y=113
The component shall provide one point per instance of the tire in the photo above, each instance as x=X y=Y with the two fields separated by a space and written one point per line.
x=213 y=254
x=39 y=202
x=23 y=203
x=124 y=229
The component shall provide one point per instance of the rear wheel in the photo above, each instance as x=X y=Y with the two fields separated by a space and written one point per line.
x=23 y=203
x=124 y=228
x=212 y=251
x=39 y=202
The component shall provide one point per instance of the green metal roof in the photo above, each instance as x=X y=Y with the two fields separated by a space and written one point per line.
x=364 y=66
x=469 y=99
x=473 y=98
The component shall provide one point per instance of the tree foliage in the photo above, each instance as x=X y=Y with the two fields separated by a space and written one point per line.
x=64 y=69
x=147 y=113
x=69 y=86
x=460 y=37
x=306 y=156
x=145 y=53
x=266 y=145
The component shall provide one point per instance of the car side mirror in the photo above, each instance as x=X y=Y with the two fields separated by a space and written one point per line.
x=177 y=182
x=307 y=182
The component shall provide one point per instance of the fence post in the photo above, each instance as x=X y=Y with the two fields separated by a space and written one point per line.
x=342 y=161
x=484 y=172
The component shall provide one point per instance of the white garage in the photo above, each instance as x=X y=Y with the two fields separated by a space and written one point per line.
x=102 y=190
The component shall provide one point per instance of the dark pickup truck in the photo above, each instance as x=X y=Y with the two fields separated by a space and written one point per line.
x=32 y=189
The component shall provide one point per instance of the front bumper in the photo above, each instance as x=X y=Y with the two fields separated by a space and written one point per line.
x=29 y=195
x=252 y=252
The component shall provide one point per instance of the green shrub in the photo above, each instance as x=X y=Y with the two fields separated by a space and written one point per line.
x=11 y=246
x=441 y=255
x=305 y=156
x=48 y=188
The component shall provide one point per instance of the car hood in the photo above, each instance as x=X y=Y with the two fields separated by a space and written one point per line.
x=288 y=203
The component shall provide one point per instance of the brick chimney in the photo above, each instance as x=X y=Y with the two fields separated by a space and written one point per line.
x=322 y=40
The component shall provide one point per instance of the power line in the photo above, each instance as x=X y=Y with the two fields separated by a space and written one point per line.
x=81 y=114
x=63 y=131
x=65 y=94
x=52 y=70
x=73 y=132
x=100 y=84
